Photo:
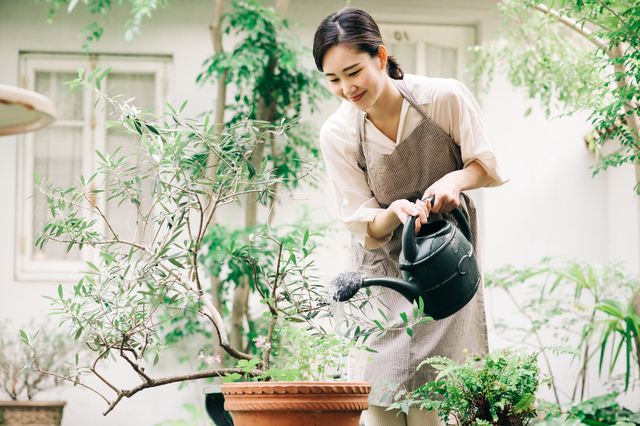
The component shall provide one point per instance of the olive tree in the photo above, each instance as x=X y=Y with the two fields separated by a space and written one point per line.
x=135 y=284
x=271 y=85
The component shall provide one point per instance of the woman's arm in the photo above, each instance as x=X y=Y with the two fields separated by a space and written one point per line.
x=447 y=189
x=447 y=192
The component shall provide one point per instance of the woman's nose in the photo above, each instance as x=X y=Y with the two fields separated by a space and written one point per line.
x=348 y=89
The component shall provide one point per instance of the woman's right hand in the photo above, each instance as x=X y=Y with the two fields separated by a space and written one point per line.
x=404 y=208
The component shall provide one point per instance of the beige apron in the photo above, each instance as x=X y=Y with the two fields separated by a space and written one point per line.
x=416 y=163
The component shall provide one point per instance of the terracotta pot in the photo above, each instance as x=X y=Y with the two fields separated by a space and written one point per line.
x=32 y=413
x=296 y=403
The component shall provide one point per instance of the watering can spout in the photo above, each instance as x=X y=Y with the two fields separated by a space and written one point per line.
x=410 y=290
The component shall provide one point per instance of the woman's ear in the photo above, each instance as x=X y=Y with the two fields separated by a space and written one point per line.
x=382 y=55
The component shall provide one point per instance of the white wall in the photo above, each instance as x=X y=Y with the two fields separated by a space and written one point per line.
x=552 y=206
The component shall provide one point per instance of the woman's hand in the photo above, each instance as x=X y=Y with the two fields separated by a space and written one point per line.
x=404 y=208
x=447 y=189
x=447 y=194
x=387 y=220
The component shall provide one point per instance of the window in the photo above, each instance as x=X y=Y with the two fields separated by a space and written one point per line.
x=430 y=50
x=66 y=149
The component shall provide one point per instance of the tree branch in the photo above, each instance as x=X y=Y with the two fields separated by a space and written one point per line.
x=179 y=378
x=574 y=25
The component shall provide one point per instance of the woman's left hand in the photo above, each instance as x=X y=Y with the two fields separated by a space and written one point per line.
x=447 y=189
x=447 y=193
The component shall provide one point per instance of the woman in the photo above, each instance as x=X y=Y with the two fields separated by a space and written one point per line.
x=396 y=139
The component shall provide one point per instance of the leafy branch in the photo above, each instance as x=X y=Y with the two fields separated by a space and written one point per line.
x=136 y=283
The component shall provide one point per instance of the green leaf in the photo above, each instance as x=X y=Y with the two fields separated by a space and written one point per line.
x=104 y=74
x=93 y=266
x=378 y=324
x=152 y=129
x=175 y=263
x=60 y=291
x=383 y=315
x=428 y=319
x=252 y=170
x=93 y=74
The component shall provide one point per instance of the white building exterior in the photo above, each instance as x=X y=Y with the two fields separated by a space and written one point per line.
x=552 y=206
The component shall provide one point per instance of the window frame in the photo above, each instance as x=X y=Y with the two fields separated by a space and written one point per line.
x=459 y=37
x=94 y=138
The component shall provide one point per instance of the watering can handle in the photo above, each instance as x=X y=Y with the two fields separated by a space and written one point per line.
x=409 y=247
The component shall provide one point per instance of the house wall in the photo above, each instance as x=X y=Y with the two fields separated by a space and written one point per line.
x=552 y=206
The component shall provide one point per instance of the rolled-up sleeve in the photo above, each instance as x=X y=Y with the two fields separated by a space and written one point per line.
x=356 y=205
x=468 y=130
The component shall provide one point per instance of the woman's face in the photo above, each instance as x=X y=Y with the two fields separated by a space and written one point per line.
x=355 y=76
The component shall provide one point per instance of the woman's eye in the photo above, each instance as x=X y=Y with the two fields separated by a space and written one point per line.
x=354 y=73
x=333 y=80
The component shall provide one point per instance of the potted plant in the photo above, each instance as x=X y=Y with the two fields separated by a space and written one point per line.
x=499 y=389
x=305 y=384
x=181 y=173
x=21 y=384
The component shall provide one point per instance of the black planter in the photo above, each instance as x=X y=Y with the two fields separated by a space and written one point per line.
x=214 y=402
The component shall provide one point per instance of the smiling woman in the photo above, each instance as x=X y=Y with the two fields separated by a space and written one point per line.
x=395 y=140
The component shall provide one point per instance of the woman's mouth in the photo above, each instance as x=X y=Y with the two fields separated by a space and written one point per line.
x=357 y=97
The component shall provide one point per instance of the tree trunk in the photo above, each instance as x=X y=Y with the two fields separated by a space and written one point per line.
x=265 y=111
x=240 y=302
x=212 y=160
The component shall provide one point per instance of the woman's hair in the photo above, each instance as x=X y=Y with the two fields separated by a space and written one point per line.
x=355 y=29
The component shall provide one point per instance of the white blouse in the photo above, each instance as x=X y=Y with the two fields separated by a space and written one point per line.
x=446 y=101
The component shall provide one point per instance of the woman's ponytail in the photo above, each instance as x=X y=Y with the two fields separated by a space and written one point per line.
x=393 y=69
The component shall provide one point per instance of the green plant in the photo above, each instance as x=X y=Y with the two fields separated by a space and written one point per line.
x=497 y=390
x=303 y=355
x=599 y=411
x=17 y=380
x=272 y=86
x=569 y=299
x=575 y=56
x=138 y=282
x=226 y=255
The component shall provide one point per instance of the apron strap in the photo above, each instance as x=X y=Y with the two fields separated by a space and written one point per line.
x=360 y=126
x=404 y=91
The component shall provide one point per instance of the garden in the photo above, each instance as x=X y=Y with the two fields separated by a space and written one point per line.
x=218 y=278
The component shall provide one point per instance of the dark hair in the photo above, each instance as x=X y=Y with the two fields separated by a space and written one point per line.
x=356 y=29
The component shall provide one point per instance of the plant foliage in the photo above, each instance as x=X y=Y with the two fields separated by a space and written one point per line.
x=591 y=306
x=137 y=282
x=497 y=390
x=574 y=56
x=601 y=410
x=103 y=8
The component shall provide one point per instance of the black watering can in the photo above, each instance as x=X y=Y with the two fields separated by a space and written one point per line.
x=438 y=265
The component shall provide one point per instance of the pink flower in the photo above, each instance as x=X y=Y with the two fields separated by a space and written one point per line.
x=261 y=341
x=210 y=359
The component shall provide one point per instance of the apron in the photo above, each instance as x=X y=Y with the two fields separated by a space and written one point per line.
x=417 y=162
